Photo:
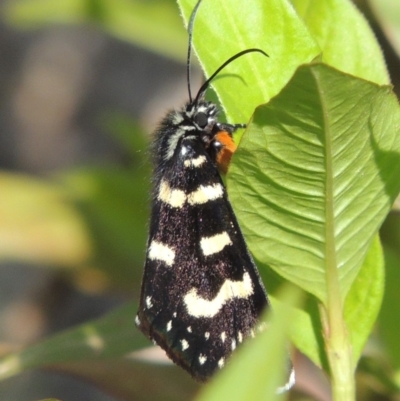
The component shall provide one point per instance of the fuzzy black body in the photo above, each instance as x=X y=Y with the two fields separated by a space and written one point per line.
x=201 y=292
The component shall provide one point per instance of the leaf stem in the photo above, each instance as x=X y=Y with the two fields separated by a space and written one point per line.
x=339 y=354
x=337 y=341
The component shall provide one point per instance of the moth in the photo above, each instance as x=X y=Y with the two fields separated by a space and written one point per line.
x=201 y=292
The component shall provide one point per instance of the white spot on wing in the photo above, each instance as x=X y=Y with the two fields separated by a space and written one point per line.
x=223 y=336
x=215 y=244
x=202 y=359
x=184 y=150
x=189 y=329
x=177 y=198
x=205 y=193
x=169 y=325
x=240 y=336
x=185 y=344
x=233 y=345
x=160 y=251
x=137 y=320
x=173 y=197
x=221 y=363
x=174 y=314
x=200 y=307
x=207 y=335
x=149 y=304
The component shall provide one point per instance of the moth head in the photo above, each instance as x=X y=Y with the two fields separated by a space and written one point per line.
x=202 y=116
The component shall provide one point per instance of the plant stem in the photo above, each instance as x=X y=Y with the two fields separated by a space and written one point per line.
x=339 y=352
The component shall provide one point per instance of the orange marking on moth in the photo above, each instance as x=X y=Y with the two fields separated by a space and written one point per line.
x=225 y=154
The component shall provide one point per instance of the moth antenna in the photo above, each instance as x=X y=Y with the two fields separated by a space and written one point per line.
x=189 y=53
x=204 y=87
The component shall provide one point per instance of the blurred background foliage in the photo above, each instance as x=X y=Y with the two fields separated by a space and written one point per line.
x=83 y=84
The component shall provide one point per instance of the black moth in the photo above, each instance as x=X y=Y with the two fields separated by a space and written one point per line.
x=201 y=292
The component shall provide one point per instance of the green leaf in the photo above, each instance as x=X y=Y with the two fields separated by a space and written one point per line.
x=102 y=352
x=365 y=298
x=306 y=331
x=361 y=309
x=259 y=367
x=345 y=38
x=315 y=175
x=224 y=29
x=112 y=336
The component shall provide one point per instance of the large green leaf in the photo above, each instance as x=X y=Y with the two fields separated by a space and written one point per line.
x=315 y=175
x=345 y=38
x=223 y=29
x=360 y=311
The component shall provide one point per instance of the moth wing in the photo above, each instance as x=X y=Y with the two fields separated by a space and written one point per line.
x=201 y=291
